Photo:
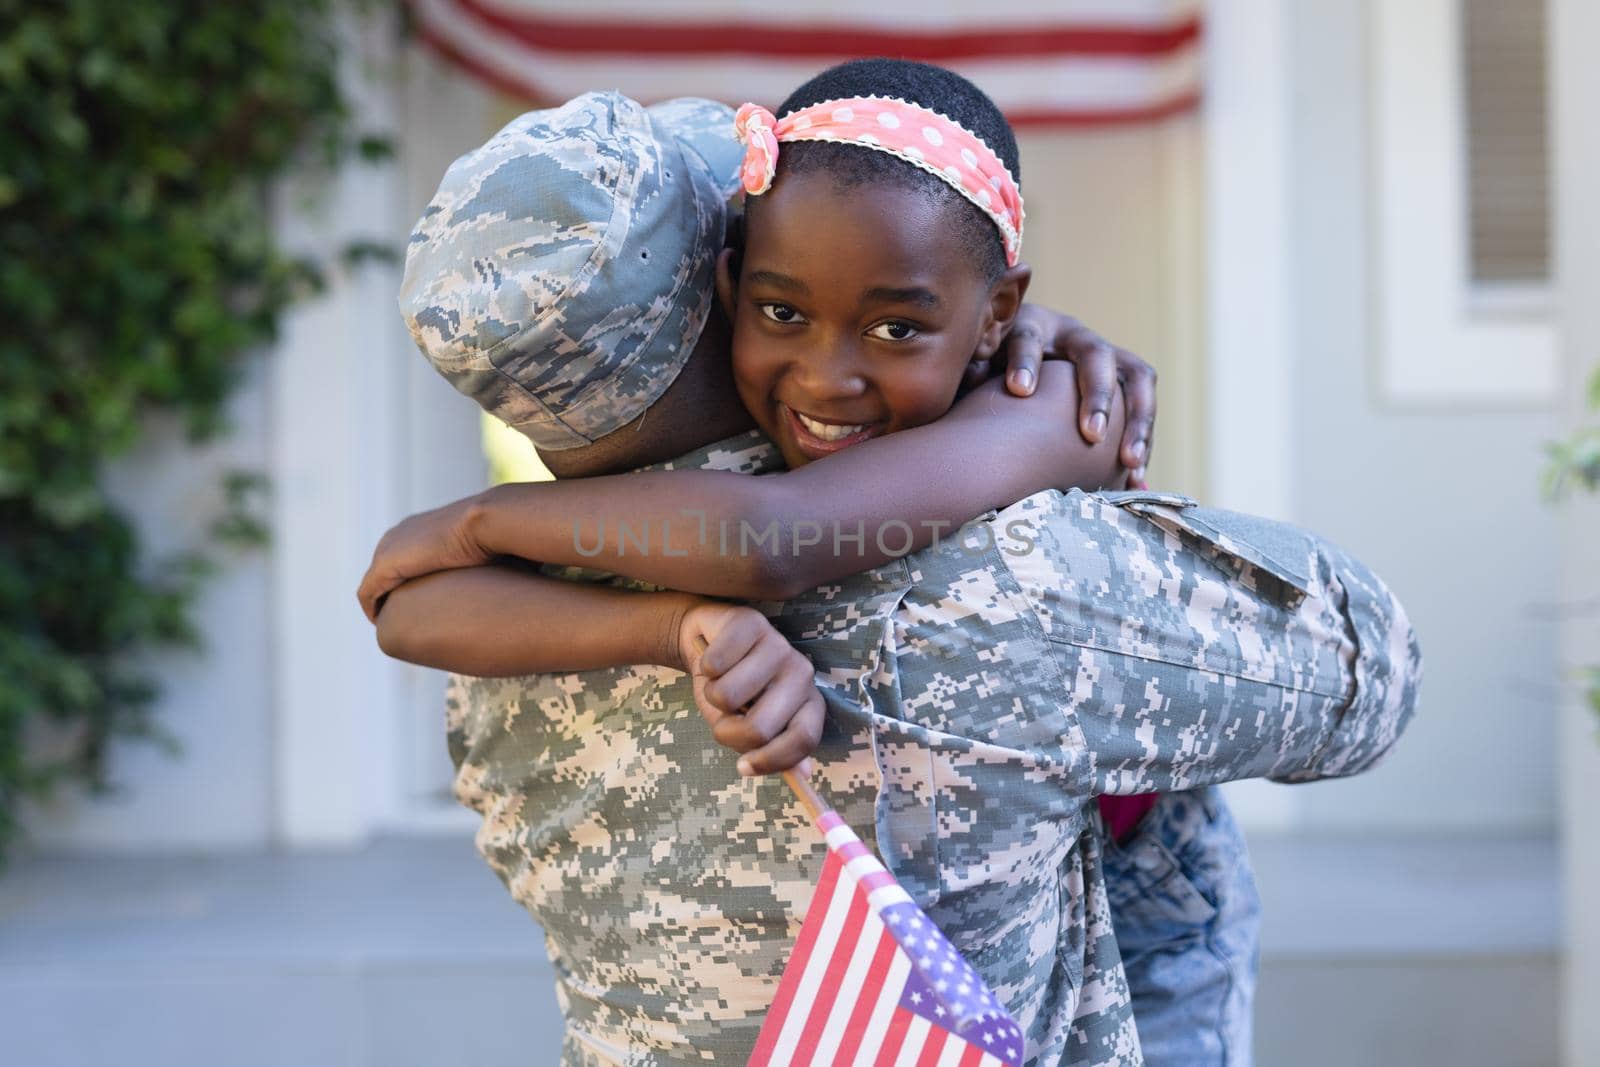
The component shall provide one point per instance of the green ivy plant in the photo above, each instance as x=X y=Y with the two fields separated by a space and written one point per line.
x=1575 y=464
x=138 y=272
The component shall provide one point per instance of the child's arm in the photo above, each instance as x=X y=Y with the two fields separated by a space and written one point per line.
x=750 y=684
x=498 y=621
x=666 y=527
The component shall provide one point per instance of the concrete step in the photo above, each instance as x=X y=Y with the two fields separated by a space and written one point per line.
x=1408 y=950
x=1396 y=951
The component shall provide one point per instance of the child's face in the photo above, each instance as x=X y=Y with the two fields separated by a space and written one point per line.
x=855 y=313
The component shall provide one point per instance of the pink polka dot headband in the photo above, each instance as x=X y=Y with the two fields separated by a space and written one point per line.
x=921 y=137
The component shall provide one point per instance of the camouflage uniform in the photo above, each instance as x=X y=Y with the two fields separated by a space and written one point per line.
x=980 y=692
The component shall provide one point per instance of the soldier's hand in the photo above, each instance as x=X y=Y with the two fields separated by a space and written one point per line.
x=752 y=686
x=1039 y=334
x=432 y=541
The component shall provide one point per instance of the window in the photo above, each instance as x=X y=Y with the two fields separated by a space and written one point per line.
x=1460 y=234
x=1508 y=161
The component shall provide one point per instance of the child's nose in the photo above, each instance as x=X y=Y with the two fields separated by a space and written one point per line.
x=832 y=372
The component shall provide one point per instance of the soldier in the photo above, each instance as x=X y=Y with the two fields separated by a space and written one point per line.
x=978 y=697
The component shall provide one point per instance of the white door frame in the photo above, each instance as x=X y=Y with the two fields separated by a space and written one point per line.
x=1575 y=138
x=1247 y=150
x=363 y=433
x=1249 y=388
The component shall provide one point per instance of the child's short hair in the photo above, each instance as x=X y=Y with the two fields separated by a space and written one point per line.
x=931 y=87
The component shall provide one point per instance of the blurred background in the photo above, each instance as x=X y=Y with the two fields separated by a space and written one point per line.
x=1359 y=240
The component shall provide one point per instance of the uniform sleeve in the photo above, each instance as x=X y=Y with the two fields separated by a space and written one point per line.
x=1198 y=646
x=1385 y=669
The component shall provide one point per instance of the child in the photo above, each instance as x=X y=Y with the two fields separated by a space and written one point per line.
x=854 y=317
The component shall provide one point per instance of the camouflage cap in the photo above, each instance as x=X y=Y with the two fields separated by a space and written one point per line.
x=563 y=271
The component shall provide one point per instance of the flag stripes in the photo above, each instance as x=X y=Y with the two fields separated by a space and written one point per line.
x=1044 y=64
x=872 y=983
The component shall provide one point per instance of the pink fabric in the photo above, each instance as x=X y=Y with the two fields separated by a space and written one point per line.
x=1122 y=814
x=923 y=138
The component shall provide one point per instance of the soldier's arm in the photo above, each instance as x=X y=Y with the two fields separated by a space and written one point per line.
x=1384 y=677
x=1199 y=646
x=773 y=537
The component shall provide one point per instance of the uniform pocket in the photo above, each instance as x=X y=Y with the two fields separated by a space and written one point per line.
x=961 y=820
x=1276 y=551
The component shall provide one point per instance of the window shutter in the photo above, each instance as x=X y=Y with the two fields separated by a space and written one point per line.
x=1503 y=53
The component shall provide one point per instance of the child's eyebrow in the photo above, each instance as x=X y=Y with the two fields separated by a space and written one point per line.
x=778 y=281
x=915 y=294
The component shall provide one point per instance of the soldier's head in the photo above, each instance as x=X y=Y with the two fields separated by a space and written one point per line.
x=882 y=229
x=562 y=278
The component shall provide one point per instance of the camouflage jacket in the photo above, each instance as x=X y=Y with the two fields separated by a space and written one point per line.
x=981 y=693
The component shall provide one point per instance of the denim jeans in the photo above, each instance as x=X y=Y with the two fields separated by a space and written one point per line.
x=1186 y=915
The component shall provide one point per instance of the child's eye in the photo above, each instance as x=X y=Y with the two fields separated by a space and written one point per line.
x=893 y=331
x=781 y=313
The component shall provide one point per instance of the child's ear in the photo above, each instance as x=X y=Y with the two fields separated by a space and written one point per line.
x=727 y=280
x=1005 y=300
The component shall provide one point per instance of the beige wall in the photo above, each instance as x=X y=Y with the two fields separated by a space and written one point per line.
x=1113 y=237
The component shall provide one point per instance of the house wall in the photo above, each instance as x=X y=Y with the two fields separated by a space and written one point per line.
x=1443 y=503
x=1114 y=237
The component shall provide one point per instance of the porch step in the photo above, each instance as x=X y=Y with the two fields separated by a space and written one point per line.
x=1408 y=951
x=1395 y=951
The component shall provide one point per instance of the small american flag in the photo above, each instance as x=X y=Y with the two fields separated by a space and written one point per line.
x=873 y=983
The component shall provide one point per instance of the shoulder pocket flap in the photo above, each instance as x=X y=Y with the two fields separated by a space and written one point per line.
x=1125 y=498
x=1278 y=550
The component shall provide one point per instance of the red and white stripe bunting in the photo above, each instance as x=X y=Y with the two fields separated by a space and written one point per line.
x=1062 y=63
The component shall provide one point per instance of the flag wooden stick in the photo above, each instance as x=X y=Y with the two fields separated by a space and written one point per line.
x=802 y=787
x=800 y=784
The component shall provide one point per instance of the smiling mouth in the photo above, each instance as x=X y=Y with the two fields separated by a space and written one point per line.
x=829 y=431
x=818 y=438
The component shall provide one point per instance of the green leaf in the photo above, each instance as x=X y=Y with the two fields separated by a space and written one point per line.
x=356 y=253
x=375 y=148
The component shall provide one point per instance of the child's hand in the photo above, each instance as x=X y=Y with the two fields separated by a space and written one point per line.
x=422 y=544
x=1039 y=334
x=751 y=685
